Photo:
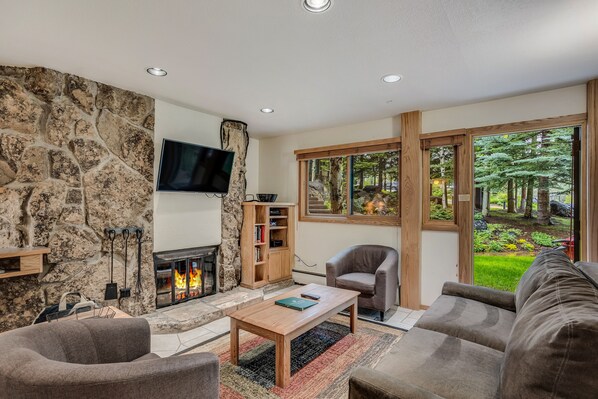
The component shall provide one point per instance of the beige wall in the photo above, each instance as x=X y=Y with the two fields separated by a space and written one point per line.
x=317 y=242
x=184 y=220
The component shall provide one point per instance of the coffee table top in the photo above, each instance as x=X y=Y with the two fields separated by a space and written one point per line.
x=281 y=320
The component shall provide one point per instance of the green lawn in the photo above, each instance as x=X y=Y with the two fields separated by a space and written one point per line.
x=500 y=271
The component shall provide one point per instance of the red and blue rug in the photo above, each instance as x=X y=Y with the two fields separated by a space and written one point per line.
x=321 y=360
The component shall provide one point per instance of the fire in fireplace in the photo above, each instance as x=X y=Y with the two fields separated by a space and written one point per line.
x=184 y=274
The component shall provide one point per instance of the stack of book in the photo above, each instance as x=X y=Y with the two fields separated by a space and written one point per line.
x=258 y=254
x=259 y=234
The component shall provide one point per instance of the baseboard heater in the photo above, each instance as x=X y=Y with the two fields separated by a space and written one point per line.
x=310 y=273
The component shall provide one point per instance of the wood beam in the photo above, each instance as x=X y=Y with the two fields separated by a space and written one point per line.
x=592 y=154
x=411 y=209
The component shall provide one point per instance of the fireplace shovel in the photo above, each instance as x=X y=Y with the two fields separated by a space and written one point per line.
x=139 y=235
x=111 y=289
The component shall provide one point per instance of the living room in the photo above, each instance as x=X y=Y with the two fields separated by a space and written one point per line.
x=326 y=118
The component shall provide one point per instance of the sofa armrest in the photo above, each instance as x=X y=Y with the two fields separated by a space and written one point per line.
x=489 y=296
x=366 y=383
x=387 y=279
x=177 y=376
x=338 y=265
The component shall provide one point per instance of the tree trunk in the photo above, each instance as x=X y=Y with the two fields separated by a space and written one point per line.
x=529 y=199
x=544 y=200
x=318 y=171
x=510 y=197
x=336 y=205
x=485 y=201
x=523 y=196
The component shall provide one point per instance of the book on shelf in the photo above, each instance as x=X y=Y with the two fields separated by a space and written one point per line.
x=259 y=233
x=258 y=254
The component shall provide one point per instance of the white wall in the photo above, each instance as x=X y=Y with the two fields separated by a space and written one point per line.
x=317 y=242
x=184 y=220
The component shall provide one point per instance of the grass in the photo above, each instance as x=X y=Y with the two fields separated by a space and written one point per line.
x=501 y=272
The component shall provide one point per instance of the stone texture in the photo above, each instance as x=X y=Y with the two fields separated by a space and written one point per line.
x=61 y=122
x=18 y=110
x=44 y=208
x=132 y=144
x=73 y=243
x=74 y=196
x=61 y=185
x=89 y=153
x=84 y=129
x=35 y=165
x=6 y=173
x=44 y=83
x=115 y=196
x=63 y=167
x=72 y=215
x=129 y=105
x=234 y=137
x=82 y=92
x=12 y=147
x=21 y=300
x=148 y=123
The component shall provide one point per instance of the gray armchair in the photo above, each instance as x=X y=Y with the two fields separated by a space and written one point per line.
x=372 y=270
x=99 y=358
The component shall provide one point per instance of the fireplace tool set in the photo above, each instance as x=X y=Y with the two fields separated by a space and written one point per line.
x=112 y=291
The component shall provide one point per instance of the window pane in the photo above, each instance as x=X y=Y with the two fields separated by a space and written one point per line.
x=327 y=186
x=375 y=184
x=442 y=183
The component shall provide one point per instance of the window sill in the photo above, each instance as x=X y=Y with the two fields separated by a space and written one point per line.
x=440 y=226
x=367 y=220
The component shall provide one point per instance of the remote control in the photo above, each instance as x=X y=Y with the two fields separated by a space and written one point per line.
x=311 y=296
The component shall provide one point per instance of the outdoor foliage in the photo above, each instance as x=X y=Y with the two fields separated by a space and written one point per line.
x=442 y=182
x=500 y=272
x=437 y=212
x=543 y=239
x=523 y=170
x=499 y=238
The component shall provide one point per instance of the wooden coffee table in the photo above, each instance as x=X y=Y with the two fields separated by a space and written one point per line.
x=281 y=324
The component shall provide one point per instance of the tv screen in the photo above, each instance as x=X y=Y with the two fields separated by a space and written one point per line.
x=192 y=167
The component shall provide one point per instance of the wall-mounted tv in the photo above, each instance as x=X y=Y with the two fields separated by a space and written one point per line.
x=195 y=168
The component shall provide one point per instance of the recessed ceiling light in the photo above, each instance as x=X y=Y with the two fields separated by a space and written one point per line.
x=391 y=78
x=316 y=5
x=156 y=71
x=267 y=110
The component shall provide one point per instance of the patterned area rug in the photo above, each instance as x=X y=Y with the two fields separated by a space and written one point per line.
x=321 y=361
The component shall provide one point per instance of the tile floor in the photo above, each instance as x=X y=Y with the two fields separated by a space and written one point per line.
x=169 y=344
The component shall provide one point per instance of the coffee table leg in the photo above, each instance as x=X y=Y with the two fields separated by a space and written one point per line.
x=234 y=342
x=353 y=314
x=283 y=361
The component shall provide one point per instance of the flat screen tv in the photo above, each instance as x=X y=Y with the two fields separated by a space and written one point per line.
x=194 y=168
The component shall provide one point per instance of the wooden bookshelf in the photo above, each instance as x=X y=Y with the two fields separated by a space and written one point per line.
x=263 y=263
x=30 y=260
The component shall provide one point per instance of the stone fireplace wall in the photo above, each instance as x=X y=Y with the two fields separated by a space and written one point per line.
x=234 y=137
x=76 y=156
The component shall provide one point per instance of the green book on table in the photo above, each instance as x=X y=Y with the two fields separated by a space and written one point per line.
x=295 y=303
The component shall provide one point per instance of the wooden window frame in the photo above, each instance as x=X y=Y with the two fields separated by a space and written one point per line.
x=455 y=141
x=366 y=147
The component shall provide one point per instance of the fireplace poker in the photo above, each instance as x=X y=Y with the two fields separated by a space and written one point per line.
x=111 y=289
x=138 y=234
x=125 y=292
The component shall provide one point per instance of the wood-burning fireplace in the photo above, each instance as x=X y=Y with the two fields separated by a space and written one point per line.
x=184 y=274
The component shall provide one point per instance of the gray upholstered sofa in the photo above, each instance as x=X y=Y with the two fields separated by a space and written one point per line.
x=372 y=270
x=99 y=358
x=475 y=342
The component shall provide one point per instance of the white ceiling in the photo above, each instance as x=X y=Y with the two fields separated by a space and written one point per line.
x=232 y=57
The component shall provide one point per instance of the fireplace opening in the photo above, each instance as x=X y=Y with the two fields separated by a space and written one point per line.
x=185 y=274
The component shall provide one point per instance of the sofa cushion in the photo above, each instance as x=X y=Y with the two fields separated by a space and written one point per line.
x=553 y=348
x=362 y=282
x=589 y=270
x=468 y=319
x=447 y=366
x=554 y=261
